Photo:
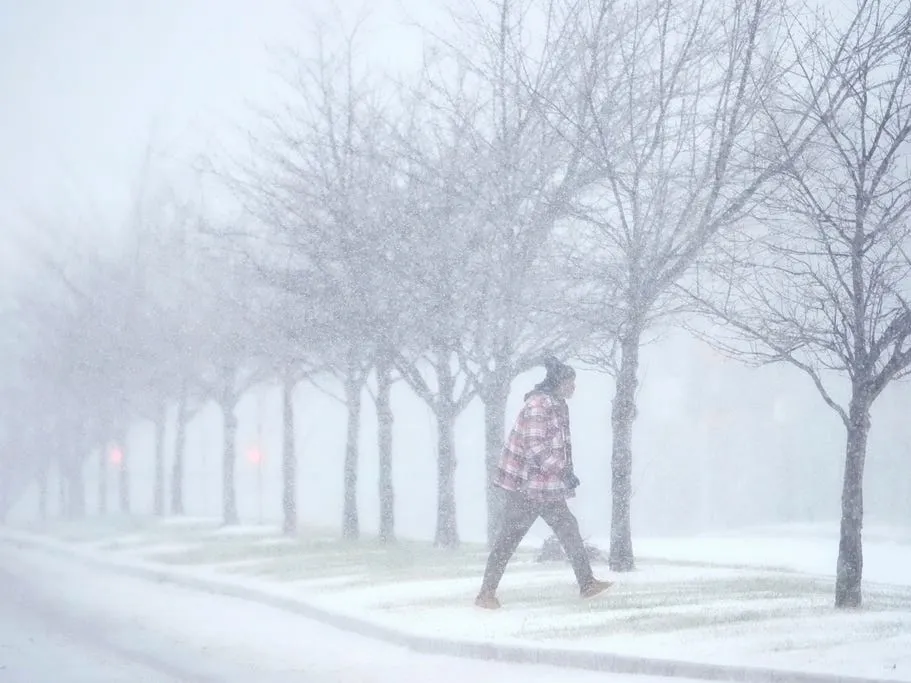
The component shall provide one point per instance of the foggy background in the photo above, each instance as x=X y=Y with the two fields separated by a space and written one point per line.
x=88 y=87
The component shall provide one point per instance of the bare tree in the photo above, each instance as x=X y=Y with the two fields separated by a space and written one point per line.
x=511 y=55
x=176 y=262
x=435 y=265
x=297 y=331
x=160 y=225
x=18 y=400
x=289 y=458
x=177 y=463
x=684 y=104
x=101 y=337
x=824 y=284
x=383 y=401
x=78 y=327
x=233 y=351
x=319 y=188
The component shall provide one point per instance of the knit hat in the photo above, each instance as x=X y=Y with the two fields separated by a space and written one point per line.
x=557 y=373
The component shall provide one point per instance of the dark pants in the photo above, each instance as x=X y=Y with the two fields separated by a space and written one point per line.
x=518 y=516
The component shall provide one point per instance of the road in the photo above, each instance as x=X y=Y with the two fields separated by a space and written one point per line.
x=43 y=639
x=61 y=622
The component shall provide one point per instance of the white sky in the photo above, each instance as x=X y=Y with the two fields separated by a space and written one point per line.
x=87 y=86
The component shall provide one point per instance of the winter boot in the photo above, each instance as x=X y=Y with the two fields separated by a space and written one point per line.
x=594 y=588
x=487 y=600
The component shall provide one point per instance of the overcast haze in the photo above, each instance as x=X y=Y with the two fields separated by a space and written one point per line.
x=269 y=307
x=88 y=86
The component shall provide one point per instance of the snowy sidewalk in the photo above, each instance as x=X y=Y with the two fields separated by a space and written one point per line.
x=699 y=601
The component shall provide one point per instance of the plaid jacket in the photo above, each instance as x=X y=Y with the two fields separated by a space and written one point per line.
x=538 y=453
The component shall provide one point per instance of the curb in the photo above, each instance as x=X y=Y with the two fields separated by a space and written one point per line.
x=516 y=654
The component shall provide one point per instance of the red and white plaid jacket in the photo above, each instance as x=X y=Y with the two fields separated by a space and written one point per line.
x=538 y=453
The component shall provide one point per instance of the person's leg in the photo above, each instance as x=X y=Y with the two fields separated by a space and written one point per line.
x=566 y=527
x=518 y=517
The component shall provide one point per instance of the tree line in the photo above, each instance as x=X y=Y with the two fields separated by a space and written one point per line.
x=556 y=176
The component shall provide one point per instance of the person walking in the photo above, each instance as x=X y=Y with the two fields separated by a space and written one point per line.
x=536 y=471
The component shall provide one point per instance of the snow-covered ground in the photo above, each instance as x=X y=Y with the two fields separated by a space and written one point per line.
x=64 y=623
x=806 y=548
x=760 y=598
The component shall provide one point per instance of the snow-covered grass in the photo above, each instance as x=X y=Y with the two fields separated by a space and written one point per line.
x=762 y=598
x=804 y=548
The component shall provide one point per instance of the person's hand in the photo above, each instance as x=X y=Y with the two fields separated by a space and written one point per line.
x=572 y=481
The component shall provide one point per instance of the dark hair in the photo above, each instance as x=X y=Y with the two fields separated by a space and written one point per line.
x=557 y=373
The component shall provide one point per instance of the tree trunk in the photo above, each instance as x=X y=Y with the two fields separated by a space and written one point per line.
x=124 y=480
x=4 y=496
x=177 y=465
x=849 y=571
x=384 y=443
x=76 y=488
x=447 y=534
x=621 y=557
x=158 y=492
x=103 y=481
x=289 y=460
x=350 y=521
x=43 y=485
x=494 y=428
x=229 y=463
x=5 y=486
x=62 y=504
